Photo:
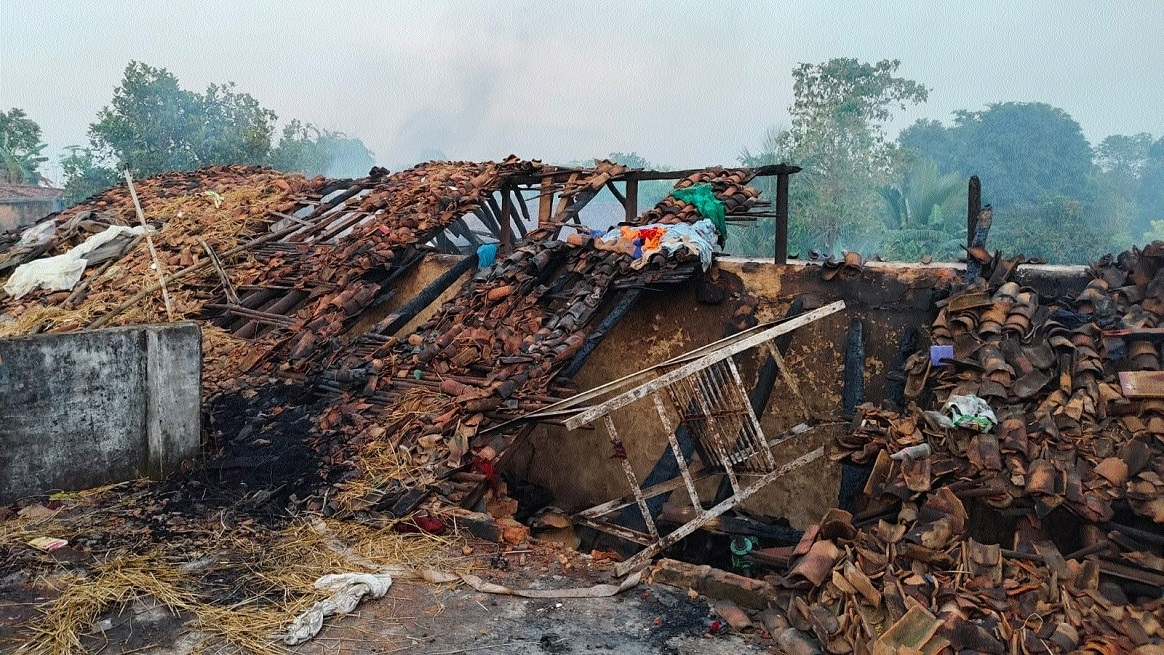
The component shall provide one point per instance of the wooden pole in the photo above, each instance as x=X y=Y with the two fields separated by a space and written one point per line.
x=150 y=242
x=973 y=207
x=632 y=200
x=546 y=201
x=781 y=255
x=227 y=287
x=506 y=246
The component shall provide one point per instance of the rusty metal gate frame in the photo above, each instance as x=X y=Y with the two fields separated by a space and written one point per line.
x=708 y=395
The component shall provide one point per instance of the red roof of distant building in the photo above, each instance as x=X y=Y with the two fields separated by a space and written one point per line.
x=28 y=193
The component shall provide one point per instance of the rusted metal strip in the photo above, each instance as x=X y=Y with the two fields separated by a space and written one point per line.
x=669 y=428
x=702 y=518
x=683 y=371
x=756 y=436
x=630 y=476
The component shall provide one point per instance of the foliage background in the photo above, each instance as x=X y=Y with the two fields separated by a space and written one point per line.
x=1054 y=194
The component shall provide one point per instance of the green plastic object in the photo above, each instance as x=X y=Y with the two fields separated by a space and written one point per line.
x=708 y=206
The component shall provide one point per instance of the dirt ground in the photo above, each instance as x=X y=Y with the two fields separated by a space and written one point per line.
x=418 y=617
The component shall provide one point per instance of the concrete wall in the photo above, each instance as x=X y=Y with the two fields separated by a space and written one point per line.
x=88 y=408
x=888 y=298
x=15 y=215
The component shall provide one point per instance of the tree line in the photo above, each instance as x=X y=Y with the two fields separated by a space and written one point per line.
x=153 y=125
x=1055 y=195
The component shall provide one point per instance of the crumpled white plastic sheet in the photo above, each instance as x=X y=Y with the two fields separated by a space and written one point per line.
x=38 y=234
x=349 y=588
x=62 y=272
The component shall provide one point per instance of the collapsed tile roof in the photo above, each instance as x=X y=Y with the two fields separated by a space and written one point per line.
x=1074 y=469
x=315 y=262
x=311 y=259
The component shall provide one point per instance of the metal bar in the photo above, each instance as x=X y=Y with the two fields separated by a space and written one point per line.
x=648 y=493
x=632 y=200
x=702 y=518
x=781 y=219
x=679 y=459
x=789 y=381
x=630 y=476
x=705 y=361
x=752 y=418
x=714 y=432
x=263 y=317
x=617 y=530
x=763 y=171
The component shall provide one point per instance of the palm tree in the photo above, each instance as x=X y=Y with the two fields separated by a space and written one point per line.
x=913 y=212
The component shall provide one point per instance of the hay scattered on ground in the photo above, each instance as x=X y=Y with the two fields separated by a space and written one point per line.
x=243 y=593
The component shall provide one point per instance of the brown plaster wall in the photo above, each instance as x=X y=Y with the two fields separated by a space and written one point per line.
x=409 y=286
x=577 y=466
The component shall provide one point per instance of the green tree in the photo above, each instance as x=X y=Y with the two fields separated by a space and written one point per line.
x=1024 y=153
x=20 y=148
x=755 y=239
x=1058 y=230
x=154 y=125
x=839 y=112
x=85 y=175
x=1149 y=195
x=306 y=149
x=915 y=211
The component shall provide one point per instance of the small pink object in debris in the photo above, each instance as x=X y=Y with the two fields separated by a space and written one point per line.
x=48 y=544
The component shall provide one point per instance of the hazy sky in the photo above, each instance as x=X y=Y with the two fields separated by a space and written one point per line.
x=683 y=84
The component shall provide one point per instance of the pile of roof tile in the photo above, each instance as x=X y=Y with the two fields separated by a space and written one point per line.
x=730 y=187
x=920 y=584
x=1074 y=458
x=221 y=207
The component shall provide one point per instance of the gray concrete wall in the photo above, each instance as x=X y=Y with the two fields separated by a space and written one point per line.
x=88 y=408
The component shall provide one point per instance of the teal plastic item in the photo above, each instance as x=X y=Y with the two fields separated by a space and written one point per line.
x=709 y=207
x=486 y=255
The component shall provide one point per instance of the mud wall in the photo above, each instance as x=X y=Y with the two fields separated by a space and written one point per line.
x=887 y=298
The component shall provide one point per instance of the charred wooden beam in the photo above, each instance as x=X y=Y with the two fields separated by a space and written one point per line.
x=973 y=206
x=781 y=219
x=632 y=201
x=503 y=215
x=399 y=318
